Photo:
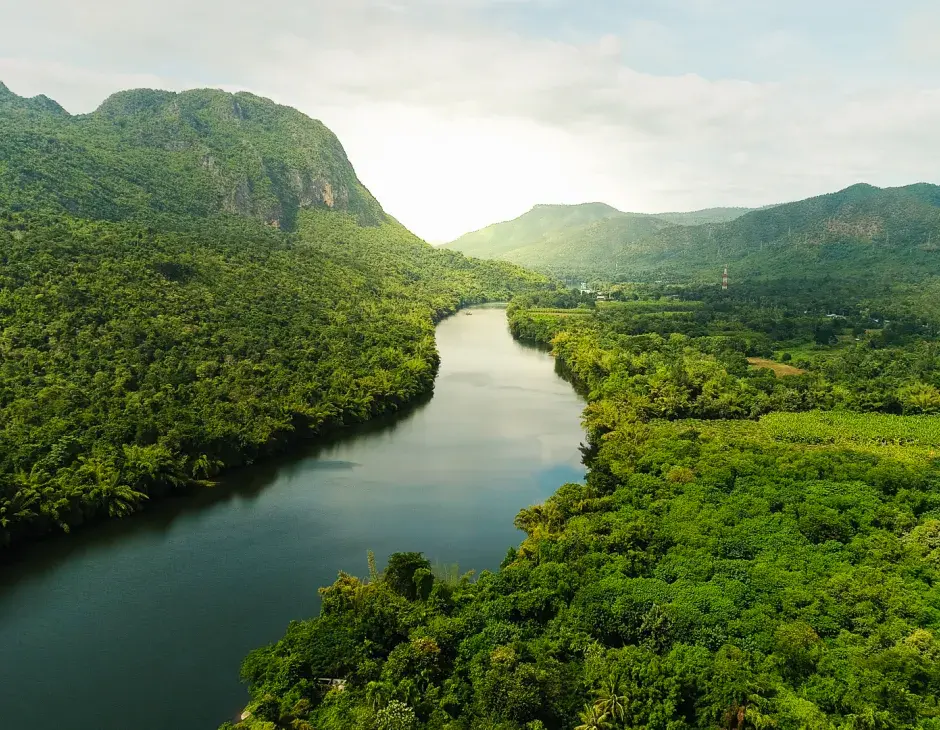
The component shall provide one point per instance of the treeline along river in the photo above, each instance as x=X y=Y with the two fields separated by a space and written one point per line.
x=142 y=624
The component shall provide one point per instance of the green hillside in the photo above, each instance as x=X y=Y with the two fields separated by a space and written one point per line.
x=188 y=282
x=862 y=232
x=579 y=251
x=573 y=240
x=698 y=217
x=500 y=240
x=194 y=153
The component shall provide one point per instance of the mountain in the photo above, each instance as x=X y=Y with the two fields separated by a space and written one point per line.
x=574 y=239
x=11 y=103
x=194 y=153
x=189 y=282
x=500 y=239
x=698 y=217
x=862 y=232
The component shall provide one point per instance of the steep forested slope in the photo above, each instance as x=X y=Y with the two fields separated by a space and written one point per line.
x=147 y=152
x=575 y=240
x=188 y=281
x=859 y=232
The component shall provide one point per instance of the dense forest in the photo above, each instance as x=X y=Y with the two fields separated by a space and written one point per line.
x=858 y=232
x=756 y=544
x=158 y=323
x=191 y=281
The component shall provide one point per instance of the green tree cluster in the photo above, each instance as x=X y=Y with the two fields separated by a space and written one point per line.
x=187 y=283
x=747 y=551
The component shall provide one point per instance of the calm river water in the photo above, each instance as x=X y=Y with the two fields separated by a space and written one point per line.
x=142 y=624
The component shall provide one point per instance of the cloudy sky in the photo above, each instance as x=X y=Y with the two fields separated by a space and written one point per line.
x=459 y=113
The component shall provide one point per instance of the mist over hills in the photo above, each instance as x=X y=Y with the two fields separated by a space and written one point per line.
x=571 y=239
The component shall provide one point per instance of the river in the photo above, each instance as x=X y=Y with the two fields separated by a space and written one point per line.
x=142 y=624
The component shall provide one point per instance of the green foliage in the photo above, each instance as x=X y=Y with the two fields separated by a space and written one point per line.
x=575 y=240
x=862 y=238
x=748 y=550
x=158 y=154
x=158 y=326
x=402 y=573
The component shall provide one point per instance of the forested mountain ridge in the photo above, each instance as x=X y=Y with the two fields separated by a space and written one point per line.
x=38 y=104
x=501 y=239
x=708 y=215
x=157 y=325
x=559 y=237
x=195 y=153
x=862 y=232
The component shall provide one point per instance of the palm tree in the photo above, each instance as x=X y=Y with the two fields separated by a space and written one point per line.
x=377 y=694
x=593 y=718
x=373 y=571
x=610 y=700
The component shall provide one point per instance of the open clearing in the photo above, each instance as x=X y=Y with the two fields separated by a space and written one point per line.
x=780 y=369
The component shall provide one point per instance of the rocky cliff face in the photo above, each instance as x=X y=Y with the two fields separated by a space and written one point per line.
x=194 y=152
x=269 y=161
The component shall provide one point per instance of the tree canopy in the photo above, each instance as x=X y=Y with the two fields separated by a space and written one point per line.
x=189 y=282
x=752 y=547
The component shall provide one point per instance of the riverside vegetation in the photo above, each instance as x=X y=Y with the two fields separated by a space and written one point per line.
x=187 y=282
x=748 y=550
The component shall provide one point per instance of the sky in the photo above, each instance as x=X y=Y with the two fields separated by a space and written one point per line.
x=460 y=113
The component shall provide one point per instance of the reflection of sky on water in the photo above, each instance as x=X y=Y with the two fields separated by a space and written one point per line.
x=157 y=612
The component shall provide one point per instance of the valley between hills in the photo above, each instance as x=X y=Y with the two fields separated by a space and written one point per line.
x=194 y=282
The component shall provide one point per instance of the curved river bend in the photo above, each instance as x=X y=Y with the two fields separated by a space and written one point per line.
x=142 y=624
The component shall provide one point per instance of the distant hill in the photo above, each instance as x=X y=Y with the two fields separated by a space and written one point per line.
x=501 y=239
x=698 y=217
x=862 y=231
x=574 y=239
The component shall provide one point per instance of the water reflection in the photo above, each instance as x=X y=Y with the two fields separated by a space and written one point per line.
x=143 y=623
x=246 y=484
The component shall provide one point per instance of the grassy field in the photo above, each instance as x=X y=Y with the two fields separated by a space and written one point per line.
x=781 y=370
x=833 y=427
x=652 y=305
x=913 y=439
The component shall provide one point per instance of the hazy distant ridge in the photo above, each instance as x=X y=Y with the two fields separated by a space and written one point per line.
x=575 y=237
x=861 y=231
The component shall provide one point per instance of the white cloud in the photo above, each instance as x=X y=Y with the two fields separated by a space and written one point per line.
x=455 y=121
x=73 y=86
x=920 y=35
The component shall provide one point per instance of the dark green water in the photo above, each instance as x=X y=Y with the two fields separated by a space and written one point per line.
x=142 y=624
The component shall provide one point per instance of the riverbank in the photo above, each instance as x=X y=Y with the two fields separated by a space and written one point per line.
x=371 y=400
x=169 y=602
